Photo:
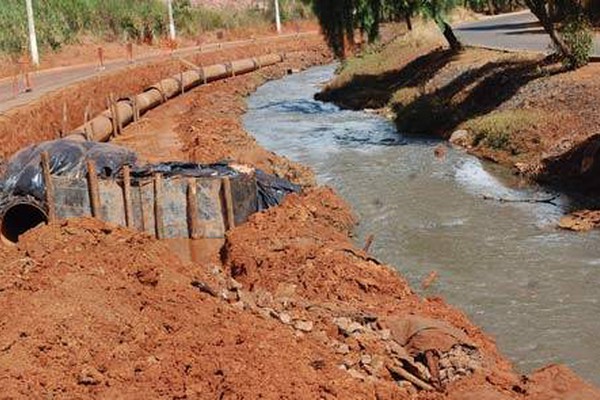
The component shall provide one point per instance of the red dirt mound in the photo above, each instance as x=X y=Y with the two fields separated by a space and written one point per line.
x=96 y=311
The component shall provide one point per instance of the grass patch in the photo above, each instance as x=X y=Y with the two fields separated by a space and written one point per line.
x=498 y=129
x=405 y=96
x=192 y=20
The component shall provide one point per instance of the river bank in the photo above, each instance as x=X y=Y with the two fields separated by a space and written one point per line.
x=290 y=307
x=518 y=109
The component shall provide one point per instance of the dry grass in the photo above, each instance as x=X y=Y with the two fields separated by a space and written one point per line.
x=498 y=130
x=379 y=58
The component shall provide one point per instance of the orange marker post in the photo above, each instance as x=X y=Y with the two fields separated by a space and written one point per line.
x=129 y=48
x=24 y=66
x=101 y=59
x=15 y=85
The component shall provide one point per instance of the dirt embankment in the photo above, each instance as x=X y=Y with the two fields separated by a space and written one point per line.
x=43 y=118
x=520 y=110
x=205 y=125
x=290 y=308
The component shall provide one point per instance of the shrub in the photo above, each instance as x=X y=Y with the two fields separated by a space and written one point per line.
x=497 y=129
x=60 y=22
x=578 y=36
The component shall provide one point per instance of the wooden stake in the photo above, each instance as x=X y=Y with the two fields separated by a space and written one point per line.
x=49 y=192
x=113 y=119
x=228 y=203
x=204 y=79
x=65 y=120
x=181 y=82
x=88 y=129
x=93 y=189
x=404 y=374
x=114 y=112
x=134 y=108
x=162 y=92
x=368 y=243
x=118 y=117
x=192 y=210
x=127 y=196
x=158 y=207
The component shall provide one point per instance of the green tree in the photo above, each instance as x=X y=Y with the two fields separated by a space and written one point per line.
x=574 y=41
x=340 y=18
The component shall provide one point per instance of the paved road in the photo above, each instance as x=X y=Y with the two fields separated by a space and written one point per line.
x=517 y=31
x=49 y=80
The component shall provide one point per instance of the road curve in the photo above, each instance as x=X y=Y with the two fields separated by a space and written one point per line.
x=516 y=32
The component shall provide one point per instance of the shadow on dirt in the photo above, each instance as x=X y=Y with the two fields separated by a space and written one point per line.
x=376 y=91
x=473 y=93
x=419 y=109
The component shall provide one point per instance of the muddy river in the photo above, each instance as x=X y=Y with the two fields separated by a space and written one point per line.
x=533 y=287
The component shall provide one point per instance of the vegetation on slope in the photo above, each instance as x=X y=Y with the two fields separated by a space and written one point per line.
x=61 y=22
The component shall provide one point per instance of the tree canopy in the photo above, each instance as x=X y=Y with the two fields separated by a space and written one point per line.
x=565 y=21
x=340 y=18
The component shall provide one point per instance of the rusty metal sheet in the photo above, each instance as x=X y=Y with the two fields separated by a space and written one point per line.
x=112 y=203
x=245 y=197
x=174 y=203
x=72 y=199
x=210 y=207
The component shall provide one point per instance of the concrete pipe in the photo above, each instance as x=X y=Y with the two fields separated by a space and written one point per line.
x=20 y=216
x=102 y=127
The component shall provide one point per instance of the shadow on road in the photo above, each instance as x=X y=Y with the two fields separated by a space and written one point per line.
x=502 y=27
x=539 y=31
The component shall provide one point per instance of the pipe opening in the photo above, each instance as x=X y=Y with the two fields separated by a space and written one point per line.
x=19 y=219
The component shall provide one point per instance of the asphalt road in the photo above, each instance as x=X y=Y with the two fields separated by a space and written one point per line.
x=517 y=31
x=46 y=81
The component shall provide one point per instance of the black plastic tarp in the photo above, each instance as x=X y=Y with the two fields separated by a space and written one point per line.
x=272 y=189
x=174 y=168
x=67 y=158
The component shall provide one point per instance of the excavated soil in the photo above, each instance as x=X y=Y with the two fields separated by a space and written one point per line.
x=289 y=308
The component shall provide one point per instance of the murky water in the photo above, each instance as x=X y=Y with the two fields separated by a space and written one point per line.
x=534 y=288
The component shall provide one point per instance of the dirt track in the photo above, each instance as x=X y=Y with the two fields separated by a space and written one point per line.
x=289 y=309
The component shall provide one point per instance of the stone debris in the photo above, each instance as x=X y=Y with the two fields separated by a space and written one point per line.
x=304 y=326
x=401 y=346
x=462 y=138
x=348 y=327
x=341 y=348
x=285 y=318
x=89 y=376
x=459 y=362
